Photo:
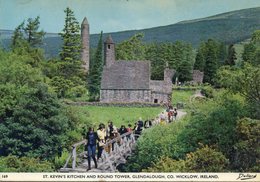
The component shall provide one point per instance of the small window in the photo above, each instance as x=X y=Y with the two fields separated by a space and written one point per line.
x=155 y=101
x=108 y=46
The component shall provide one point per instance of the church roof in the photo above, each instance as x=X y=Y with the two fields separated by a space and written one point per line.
x=109 y=40
x=128 y=75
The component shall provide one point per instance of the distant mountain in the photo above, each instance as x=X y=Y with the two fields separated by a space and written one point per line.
x=231 y=27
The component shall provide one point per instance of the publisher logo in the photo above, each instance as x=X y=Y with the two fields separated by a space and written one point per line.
x=246 y=176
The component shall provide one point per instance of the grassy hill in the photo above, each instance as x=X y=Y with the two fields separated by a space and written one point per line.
x=231 y=27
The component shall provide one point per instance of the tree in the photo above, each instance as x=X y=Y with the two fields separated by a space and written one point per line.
x=71 y=48
x=33 y=36
x=18 y=37
x=251 y=52
x=154 y=54
x=27 y=39
x=200 y=58
x=211 y=63
x=178 y=55
x=231 y=58
x=199 y=61
x=36 y=126
x=131 y=49
x=32 y=121
x=185 y=70
x=256 y=36
x=96 y=71
x=222 y=53
x=244 y=81
x=246 y=150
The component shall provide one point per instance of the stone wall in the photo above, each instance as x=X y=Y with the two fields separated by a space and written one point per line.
x=85 y=44
x=197 y=76
x=112 y=104
x=168 y=74
x=125 y=96
x=109 y=52
x=160 y=97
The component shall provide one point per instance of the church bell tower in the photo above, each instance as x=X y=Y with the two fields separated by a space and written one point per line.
x=109 y=48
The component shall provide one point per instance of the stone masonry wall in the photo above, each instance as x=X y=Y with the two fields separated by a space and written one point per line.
x=160 y=97
x=125 y=96
x=197 y=76
x=85 y=46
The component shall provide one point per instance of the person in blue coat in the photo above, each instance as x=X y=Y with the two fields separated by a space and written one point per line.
x=92 y=139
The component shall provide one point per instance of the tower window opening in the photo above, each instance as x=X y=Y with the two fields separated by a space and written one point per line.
x=108 y=46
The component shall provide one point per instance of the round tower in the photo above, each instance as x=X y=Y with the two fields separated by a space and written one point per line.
x=85 y=44
x=109 y=52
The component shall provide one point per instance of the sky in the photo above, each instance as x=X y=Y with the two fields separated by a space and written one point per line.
x=114 y=15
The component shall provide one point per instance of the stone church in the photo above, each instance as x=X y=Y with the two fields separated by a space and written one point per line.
x=127 y=81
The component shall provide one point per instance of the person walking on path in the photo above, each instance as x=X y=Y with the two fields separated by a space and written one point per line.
x=129 y=129
x=92 y=139
x=101 y=133
x=122 y=130
x=175 y=113
x=162 y=118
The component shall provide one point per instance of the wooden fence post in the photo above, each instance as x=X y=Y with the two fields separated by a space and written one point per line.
x=74 y=157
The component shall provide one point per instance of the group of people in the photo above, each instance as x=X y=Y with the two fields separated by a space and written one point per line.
x=169 y=116
x=105 y=134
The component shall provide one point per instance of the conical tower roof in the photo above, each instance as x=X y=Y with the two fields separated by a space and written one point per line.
x=109 y=40
x=85 y=21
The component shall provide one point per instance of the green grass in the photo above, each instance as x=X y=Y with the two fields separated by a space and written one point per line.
x=181 y=96
x=119 y=115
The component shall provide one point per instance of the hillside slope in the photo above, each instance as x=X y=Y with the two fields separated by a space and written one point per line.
x=231 y=27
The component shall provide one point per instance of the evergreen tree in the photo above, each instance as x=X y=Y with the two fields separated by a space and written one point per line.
x=251 y=52
x=154 y=54
x=131 y=49
x=71 y=48
x=256 y=37
x=184 y=69
x=18 y=37
x=231 y=56
x=210 y=62
x=28 y=36
x=96 y=71
x=222 y=54
x=33 y=36
x=27 y=39
x=199 y=61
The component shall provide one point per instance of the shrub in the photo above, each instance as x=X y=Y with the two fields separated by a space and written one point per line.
x=25 y=164
x=246 y=150
x=166 y=164
x=154 y=143
x=77 y=91
x=213 y=123
x=60 y=161
x=207 y=91
x=61 y=85
x=206 y=159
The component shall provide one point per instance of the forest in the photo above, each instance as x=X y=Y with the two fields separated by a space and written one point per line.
x=221 y=133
